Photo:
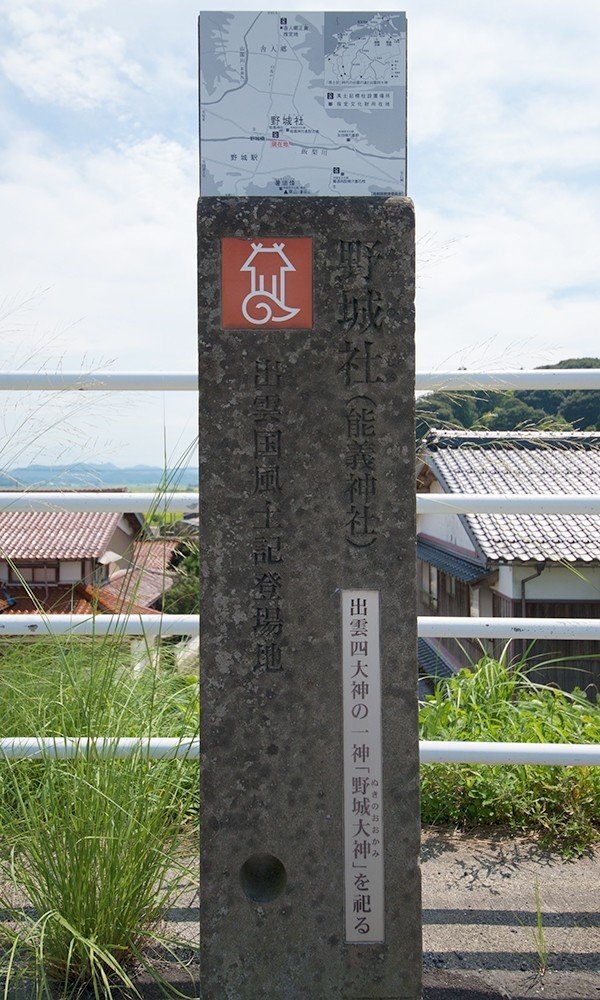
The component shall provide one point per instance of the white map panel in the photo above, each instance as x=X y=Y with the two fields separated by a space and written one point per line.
x=302 y=103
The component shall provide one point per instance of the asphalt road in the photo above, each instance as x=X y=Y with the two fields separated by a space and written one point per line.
x=479 y=918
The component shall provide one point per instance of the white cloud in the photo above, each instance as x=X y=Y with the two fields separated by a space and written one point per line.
x=491 y=293
x=95 y=226
x=111 y=236
x=504 y=104
x=504 y=114
x=53 y=58
x=506 y=86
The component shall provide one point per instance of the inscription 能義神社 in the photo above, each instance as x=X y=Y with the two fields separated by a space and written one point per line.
x=361 y=314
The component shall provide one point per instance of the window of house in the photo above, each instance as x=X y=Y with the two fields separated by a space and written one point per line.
x=450 y=585
x=99 y=575
x=45 y=574
x=18 y=573
x=428 y=576
x=70 y=571
x=34 y=573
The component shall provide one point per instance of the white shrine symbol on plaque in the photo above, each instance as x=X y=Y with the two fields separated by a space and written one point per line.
x=267 y=285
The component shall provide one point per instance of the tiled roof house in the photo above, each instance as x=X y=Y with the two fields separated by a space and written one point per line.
x=515 y=565
x=65 y=562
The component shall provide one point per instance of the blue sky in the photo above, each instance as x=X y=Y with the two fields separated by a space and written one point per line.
x=98 y=183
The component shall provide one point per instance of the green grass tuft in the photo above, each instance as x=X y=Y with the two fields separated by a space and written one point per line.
x=94 y=846
x=497 y=702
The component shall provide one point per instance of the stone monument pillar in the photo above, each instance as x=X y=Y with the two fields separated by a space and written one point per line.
x=310 y=885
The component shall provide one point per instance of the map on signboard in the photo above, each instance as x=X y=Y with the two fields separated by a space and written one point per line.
x=302 y=103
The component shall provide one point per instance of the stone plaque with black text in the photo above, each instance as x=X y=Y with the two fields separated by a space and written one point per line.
x=309 y=748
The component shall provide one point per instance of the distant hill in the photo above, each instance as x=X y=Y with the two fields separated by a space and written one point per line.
x=84 y=475
x=547 y=409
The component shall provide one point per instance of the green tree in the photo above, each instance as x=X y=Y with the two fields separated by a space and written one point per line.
x=434 y=411
x=574 y=363
x=184 y=598
x=545 y=409
x=548 y=400
x=582 y=409
x=511 y=415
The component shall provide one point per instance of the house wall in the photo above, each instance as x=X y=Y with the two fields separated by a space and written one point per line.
x=450 y=597
x=556 y=583
x=581 y=583
x=505 y=585
x=121 y=541
x=445 y=527
x=33 y=572
x=126 y=526
x=70 y=570
x=485 y=602
x=556 y=598
x=559 y=591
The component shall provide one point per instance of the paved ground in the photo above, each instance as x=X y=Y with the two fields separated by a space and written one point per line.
x=479 y=913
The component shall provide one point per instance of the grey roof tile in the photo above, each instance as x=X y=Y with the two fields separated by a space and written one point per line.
x=523 y=463
x=431 y=661
x=465 y=569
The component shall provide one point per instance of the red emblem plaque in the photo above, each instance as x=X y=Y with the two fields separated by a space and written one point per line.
x=266 y=283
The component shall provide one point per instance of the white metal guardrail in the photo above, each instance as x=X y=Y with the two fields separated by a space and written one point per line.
x=153 y=626
x=168 y=748
x=427 y=503
x=508 y=628
x=140 y=381
x=99 y=502
x=536 y=378
x=98 y=381
x=163 y=625
x=507 y=503
x=126 y=625
x=65 y=748
x=555 y=754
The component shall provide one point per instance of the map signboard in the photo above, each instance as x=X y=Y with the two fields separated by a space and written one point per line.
x=302 y=103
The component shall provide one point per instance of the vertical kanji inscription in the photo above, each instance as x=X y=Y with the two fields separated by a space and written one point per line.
x=267 y=554
x=363 y=822
x=361 y=316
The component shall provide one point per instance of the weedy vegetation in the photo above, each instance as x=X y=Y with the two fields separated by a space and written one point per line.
x=497 y=701
x=538 y=934
x=92 y=847
x=95 y=850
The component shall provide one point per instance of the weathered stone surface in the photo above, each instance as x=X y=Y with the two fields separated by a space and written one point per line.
x=272 y=778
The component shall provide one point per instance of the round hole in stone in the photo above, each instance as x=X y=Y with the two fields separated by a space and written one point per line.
x=263 y=878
